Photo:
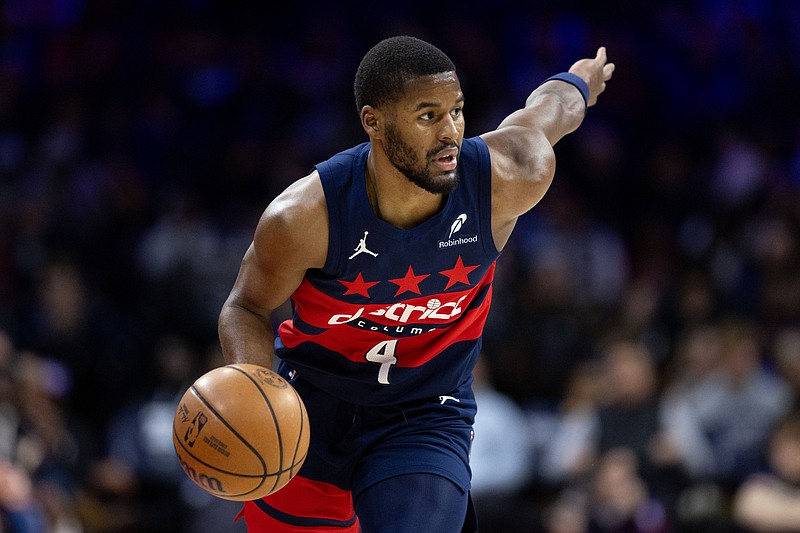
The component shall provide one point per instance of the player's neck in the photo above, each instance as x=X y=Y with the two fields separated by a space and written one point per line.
x=395 y=199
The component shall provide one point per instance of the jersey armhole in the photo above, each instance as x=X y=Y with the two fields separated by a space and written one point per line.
x=334 y=217
x=485 y=196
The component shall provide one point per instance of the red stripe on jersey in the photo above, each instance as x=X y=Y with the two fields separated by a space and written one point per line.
x=356 y=338
x=322 y=310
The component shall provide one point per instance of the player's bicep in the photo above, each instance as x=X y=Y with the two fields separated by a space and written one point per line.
x=290 y=238
x=263 y=285
x=523 y=165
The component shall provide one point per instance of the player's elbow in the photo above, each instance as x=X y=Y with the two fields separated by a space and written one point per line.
x=537 y=163
x=540 y=184
x=529 y=182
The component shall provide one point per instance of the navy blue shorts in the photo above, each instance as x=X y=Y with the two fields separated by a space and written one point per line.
x=354 y=447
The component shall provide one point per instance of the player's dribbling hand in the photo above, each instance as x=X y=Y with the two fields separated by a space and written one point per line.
x=595 y=72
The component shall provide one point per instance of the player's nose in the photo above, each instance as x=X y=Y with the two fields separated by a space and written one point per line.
x=449 y=130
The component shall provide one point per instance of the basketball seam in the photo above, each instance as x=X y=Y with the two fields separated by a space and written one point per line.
x=213 y=467
x=262 y=478
x=279 y=473
x=304 y=414
x=274 y=420
x=242 y=439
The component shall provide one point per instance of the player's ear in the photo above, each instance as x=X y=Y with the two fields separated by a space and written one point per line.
x=369 y=120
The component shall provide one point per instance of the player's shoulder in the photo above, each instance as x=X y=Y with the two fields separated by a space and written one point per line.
x=302 y=199
x=297 y=216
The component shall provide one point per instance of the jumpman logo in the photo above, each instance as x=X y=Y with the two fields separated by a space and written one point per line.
x=443 y=399
x=362 y=247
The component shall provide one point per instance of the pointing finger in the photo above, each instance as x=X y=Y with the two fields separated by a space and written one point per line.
x=601 y=55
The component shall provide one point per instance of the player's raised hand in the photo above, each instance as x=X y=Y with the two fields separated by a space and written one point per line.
x=595 y=72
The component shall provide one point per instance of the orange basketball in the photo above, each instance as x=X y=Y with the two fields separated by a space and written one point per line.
x=241 y=432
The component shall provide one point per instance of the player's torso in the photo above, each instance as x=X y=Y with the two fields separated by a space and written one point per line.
x=395 y=314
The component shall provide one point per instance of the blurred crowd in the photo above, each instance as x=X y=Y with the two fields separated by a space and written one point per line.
x=641 y=367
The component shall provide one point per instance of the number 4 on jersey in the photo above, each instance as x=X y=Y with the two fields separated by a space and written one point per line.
x=383 y=354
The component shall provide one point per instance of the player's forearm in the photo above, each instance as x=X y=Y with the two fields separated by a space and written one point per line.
x=245 y=336
x=557 y=106
x=555 y=109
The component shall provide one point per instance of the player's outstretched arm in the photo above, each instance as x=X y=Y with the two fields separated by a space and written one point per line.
x=290 y=238
x=523 y=161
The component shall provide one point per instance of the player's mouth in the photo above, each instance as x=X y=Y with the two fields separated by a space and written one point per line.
x=447 y=159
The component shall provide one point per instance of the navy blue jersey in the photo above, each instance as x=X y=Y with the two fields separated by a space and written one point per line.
x=395 y=315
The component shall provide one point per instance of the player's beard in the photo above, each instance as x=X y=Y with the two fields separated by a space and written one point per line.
x=402 y=156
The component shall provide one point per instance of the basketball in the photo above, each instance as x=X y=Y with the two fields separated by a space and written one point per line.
x=241 y=432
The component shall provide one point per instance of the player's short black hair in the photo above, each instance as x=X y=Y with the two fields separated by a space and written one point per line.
x=382 y=75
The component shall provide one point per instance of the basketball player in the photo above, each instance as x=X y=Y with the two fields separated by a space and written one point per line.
x=387 y=252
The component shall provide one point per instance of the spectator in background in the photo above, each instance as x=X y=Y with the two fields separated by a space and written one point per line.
x=613 y=498
x=501 y=457
x=139 y=485
x=770 y=500
x=696 y=299
x=620 y=500
x=69 y=322
x=568 y=453
x=776 y=252
x=565 y=459
x=700 y=506
x=184 y=256
x=568 y=513
x=698 y=357
x=631 y=418
x=786 y=355
x=574 y=271
x=615 y=416
x=638 y=317
x=20 y=510
x=590 y=255
x=735 y=404
x=9 y=412
x=52 y=445
x=136 y=486
x=40 y=445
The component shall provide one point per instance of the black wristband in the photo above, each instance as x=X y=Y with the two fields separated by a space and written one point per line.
x=574 y=80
